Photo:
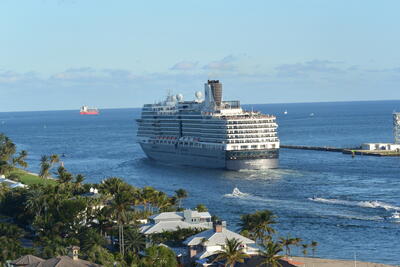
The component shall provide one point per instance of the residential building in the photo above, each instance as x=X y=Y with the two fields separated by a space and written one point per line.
x=172 y=221
x=208 y=243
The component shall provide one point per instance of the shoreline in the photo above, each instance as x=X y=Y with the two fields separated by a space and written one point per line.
x=322 y=262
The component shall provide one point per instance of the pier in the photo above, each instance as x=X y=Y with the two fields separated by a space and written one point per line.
x=317 y=148
x=351 y=151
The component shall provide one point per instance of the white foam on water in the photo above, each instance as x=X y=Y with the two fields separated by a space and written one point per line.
x=364 y=204
x=395 y=216
x=236 y=193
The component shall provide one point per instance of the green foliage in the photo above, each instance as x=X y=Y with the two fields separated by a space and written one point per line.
x=175 y=237
x=89 y=238
x=7 y=148
x=134 y=240
x=313 y=246
x=231 y=253
x=159 y=256
x=181 y=194
x=304 y=249
x=258 y=224
x=100 y=255
x=10 y=230
x=270 y=253
x=11 y=249
x=201 y=208
x=288 y=242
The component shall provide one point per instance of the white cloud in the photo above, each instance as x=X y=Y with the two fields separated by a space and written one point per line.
x=185 y=65
x=225 y=64
x=313 y=66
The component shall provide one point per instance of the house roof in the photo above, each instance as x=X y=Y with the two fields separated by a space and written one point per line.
x=180 y=215
x=167 y=216
x=27 y=259
x=215 y=238
x=168 y=226
x=64 y=261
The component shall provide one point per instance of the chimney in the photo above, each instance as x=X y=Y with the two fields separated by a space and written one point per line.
x=217 y=226
x=74 y=252
x=216 y=90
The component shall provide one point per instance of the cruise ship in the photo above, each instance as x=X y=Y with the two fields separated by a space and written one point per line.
x=208 y=132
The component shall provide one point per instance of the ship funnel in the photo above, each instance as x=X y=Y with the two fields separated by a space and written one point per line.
x=216 y=90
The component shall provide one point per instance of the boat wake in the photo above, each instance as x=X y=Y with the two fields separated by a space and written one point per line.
x=364 y=204
x=236 y=193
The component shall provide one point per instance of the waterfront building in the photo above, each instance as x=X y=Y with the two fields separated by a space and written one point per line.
x=210 y=242
x=208 y=132
x=172 y=221
x=388 y=146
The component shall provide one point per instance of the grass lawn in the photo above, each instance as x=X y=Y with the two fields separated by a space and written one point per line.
x=29 y=179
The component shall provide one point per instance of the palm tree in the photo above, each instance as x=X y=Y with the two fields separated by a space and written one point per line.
x=36 y=201
x=79 y=178
x=54 y=159
x=201 y=208
x=120 y=205
x=270 y=254
x=314 y=245
x=112 y=185
x=304 y=246
x=258 y=224
x=181 y=194
x=147 y=196
x=5 y=167
x=7 y=148
x=134 y=240
x=20 y=160
x=45 y=167
x=231 y=252
x=159 y=256
x=286 y=243
x=63 y=175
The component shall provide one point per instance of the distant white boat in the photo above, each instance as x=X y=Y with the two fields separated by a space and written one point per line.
x=285 y=112
x=395 y=215
x=311 y=114
x=237 y=193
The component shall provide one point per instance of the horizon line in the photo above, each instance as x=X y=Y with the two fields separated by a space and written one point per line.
x=279 y=103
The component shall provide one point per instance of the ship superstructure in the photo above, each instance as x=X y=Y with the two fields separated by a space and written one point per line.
x=85 y=110
x=208 y=132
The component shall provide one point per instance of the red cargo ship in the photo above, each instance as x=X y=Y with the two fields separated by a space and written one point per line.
x=85 y=110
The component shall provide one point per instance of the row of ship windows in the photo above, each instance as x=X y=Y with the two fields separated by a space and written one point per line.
x=209 y=135
x=252 y=146
x=194 y=120
x=211 y=127
x=211 y=130
x=210 y=146
x=236 y=141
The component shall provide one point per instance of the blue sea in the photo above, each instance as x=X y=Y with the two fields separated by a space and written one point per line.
x=345 y=204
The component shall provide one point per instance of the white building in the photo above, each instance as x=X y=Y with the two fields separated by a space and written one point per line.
x=172 y=221
x=210 y=242
x=381 y=146
x=11 y=183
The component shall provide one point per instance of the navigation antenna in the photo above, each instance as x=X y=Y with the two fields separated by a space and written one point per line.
x=396 y=127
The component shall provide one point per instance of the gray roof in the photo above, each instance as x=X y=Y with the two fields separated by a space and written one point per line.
x=214 y=239
x=168 y=226
x=64 y=261
x=167 y=215
x=27 y=259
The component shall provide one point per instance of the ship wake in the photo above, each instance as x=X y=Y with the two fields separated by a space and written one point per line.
x=364 y=204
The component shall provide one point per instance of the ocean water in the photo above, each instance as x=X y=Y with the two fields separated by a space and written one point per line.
x=345 y=204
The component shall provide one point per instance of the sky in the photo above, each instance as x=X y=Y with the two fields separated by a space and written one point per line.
x=62 y=54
